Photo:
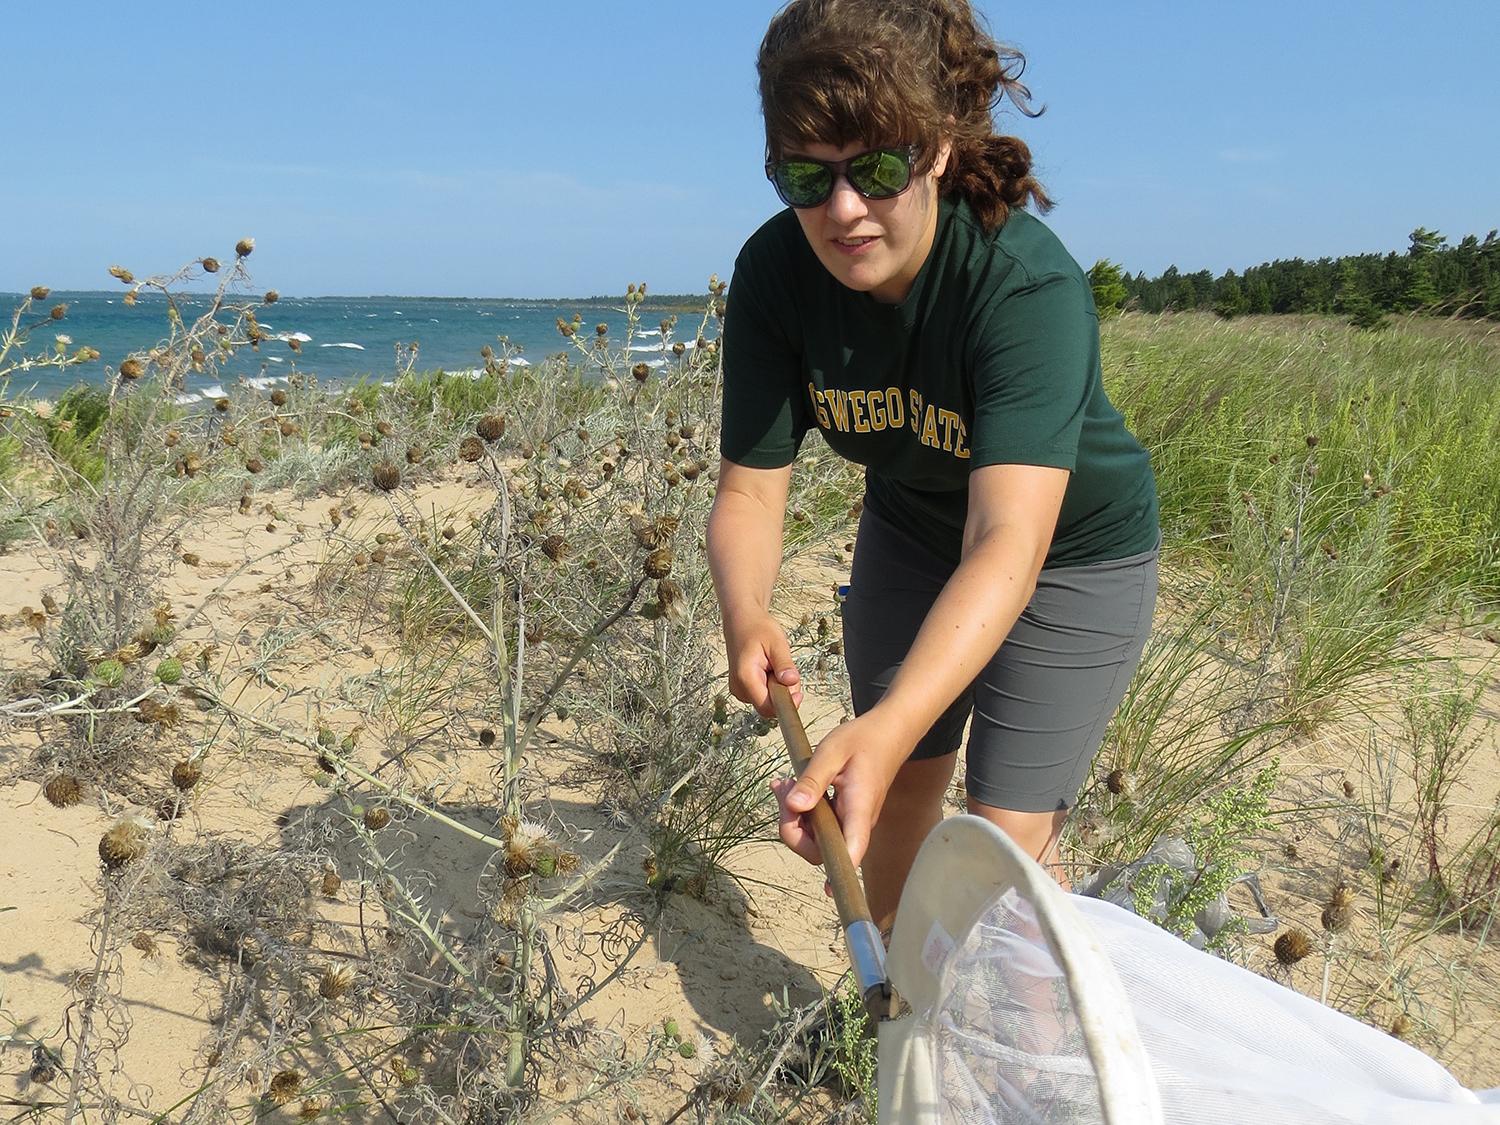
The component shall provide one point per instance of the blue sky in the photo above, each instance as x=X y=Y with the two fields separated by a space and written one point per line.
x=566 y=149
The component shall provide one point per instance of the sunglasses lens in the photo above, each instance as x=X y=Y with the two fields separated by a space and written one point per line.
x=802 y=183
x=880 y=174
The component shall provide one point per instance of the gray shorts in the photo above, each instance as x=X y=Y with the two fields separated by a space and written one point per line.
x=1040 y=707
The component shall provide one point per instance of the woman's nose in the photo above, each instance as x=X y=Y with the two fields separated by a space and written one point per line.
x=845 y=205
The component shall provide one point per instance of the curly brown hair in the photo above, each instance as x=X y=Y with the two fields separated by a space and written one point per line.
x=878 y=72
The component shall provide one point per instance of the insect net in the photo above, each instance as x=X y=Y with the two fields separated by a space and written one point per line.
x=1029 y=1005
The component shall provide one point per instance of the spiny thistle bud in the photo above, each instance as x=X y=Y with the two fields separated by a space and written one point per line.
x=63 y=791
x=601 y=329
x=556 y=548
x=564 y=328
x=1292 y=946
x=678 y=348
x=190 y=558
x=378 y=556
x=186 y=774
x=144 y=942
x=288 y=428
x=210 y=265
x=1401 y=1026
x=57 y=312
x=366 y=441
x=384 y=429
x=377 y=818
x=386 y=476
x=658 y=563
x=607 y=468
x=414 y=454
x=641 y=372
x=171 y=437
x=122 y=274
x=334 y=983
x=123 y=844
x=132 y=368
x=471 y=449
x=244 y=247
x=311 y=1109
x=109 y=672
x=1337 y=913
x=330 y=884
x=278 y=397
x=40 y=292
x=287 y=1083
x=491 y=427
x=169 y=671
x=272 y=297
x=191 y=465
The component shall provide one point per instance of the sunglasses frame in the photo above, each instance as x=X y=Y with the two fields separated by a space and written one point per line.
x=837 y=168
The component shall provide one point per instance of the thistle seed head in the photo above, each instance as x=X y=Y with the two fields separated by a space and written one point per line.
x=63 y=791
x=186 y=774
x=658 y=563
x=272 y=296
x=123 y=844
x=471 y=449
x=641 y=372
x=285 y=1085
x=210 y=265
x=57 y=312
x=1292 y=946
x=491 y=427
x=330 y=884
x=334 y=983
x=120 y=273
x=40 y=292
x=377 y=818
x=387 y=476
x=244 y=247
x=1337 y=913
x=556 y=548
x=132 y=368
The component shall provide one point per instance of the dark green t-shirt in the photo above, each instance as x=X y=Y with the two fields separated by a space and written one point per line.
x=992 y=359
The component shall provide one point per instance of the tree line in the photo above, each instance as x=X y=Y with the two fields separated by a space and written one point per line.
x=1432 y=277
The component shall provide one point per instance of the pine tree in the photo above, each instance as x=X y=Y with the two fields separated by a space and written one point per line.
x=1230 y=301
x=1108 y=282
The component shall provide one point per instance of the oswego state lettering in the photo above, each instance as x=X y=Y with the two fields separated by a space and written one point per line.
x=871 y=411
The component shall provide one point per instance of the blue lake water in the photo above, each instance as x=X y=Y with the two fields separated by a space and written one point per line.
x=343 y=338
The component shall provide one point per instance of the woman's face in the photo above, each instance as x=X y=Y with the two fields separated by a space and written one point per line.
x=874 y=246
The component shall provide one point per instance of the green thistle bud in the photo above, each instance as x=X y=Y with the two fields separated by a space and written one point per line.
x=169 y=671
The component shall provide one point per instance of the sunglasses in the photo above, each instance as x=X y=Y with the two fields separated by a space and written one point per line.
x=880 y=173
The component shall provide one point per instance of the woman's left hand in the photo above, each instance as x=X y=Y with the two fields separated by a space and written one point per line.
x=859 y=759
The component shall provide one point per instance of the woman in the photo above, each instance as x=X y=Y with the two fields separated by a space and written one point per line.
x=907 y=307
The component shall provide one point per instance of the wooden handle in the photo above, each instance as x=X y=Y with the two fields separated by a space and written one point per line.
x=848 y=892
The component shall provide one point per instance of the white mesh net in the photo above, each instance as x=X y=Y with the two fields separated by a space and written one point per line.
x=1049 y=1008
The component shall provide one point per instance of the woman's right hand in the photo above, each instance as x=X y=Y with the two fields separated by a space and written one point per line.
x=757 y=648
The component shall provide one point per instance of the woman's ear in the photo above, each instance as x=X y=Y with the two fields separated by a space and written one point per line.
x=944 y=154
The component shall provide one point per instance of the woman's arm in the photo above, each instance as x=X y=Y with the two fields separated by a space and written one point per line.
x=1012 y=515
x=744 y=557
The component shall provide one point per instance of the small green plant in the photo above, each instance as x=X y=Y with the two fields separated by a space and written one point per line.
x=1221 y=839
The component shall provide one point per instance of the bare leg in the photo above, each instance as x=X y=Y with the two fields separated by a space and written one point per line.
x=912 y=808
x=1036 y=833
